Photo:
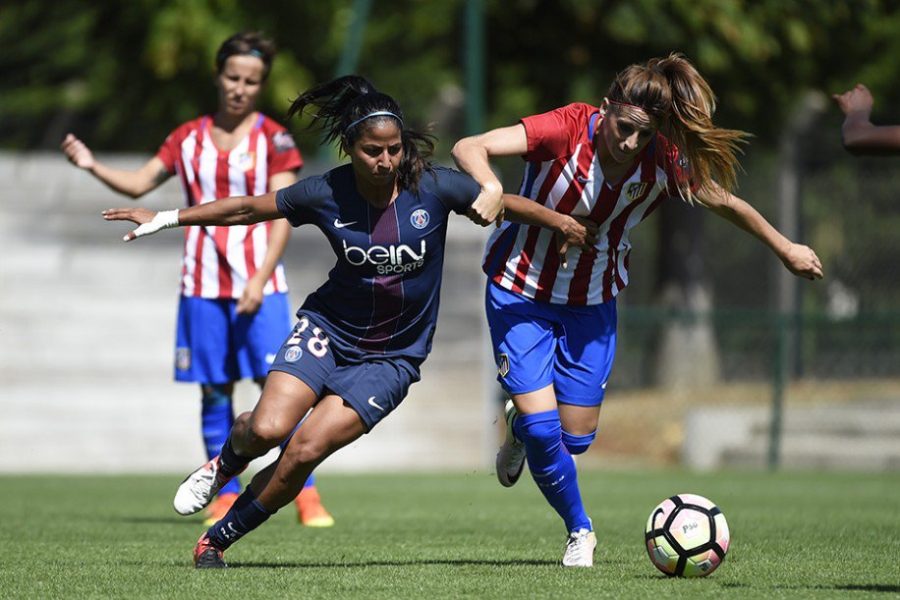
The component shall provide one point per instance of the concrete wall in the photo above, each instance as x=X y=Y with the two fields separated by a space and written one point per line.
x=87 y=330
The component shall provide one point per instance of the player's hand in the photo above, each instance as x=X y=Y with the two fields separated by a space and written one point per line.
x=802 y=261
x=574 y=231
x=858 y=99
x=488 y=206
x=252 y=298
x=148 y=221
x=77 y=153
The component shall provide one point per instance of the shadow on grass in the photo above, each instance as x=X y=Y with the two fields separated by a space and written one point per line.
x=849 y=587
x=869 y=587
x=460 y=562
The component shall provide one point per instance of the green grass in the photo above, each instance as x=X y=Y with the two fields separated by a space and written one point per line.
x=451 y=536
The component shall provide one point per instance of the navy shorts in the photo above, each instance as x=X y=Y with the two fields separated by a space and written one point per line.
x=537 y=344
x=214 y=344
x=373 y=386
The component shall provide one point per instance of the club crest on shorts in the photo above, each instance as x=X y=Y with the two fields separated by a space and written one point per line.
x=293 y=354
x=636 y=190
x=503 y=365
x=182 y=359
x=419 y=218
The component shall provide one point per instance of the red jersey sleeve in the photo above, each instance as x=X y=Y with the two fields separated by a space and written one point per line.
x=556 y=133
x=283 y=152
x=170 y=151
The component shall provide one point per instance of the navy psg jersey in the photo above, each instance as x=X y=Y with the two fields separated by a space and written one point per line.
x=382 y=295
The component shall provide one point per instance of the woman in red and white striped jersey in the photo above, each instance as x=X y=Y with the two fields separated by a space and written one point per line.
x=234 y=311
x=552 y=316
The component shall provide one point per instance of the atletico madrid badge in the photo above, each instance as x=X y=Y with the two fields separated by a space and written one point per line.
x=503 y=365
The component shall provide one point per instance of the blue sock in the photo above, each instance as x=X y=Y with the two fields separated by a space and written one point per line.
x=552 y=466
x=246 y=515
x=578 y=444
x=217 y=418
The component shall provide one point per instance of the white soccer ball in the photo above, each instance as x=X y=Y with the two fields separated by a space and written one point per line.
x=686 y=536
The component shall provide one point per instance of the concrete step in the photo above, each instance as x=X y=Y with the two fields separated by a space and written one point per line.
x=863 y=436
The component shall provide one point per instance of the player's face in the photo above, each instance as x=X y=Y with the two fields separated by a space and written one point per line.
x=240 y=83
x=376 y=155
x=625 y=131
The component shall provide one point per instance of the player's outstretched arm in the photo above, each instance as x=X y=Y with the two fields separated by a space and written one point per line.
x=570 y=231
x=472 y=156
x=131 y=183
x=798 y=259
x=858 y=134
x=240 y=210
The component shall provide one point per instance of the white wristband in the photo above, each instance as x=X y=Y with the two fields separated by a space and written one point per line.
x=164 y=219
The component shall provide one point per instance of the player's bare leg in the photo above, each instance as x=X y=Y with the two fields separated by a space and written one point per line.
x=284 y=401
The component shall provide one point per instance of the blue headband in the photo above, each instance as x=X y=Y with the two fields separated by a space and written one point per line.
x=377 y=113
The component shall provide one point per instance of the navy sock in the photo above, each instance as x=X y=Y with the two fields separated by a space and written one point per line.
x=217 y=418
x=230 y=463
x=246 y=515
x=552 y=467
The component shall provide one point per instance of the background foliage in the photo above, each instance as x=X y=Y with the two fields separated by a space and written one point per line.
x=123 y=73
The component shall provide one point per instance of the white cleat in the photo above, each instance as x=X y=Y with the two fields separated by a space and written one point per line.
x=199 y=488
x=511 y=456
x=580 y=549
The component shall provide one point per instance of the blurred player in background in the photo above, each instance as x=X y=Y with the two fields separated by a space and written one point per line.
x=859 y=134
x=553 y=321
x=363 y=335
x=234 y=310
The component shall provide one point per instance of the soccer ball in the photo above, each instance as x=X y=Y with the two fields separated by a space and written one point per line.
x=686 y=536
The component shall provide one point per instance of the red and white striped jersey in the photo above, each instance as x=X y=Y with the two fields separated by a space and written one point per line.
x=564 y=174
x=219 y=260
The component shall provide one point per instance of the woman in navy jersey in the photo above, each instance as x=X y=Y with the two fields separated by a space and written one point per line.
x=362 y=336
x=234 y=309
x=553 y=321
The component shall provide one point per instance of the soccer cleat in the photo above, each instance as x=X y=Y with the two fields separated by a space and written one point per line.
x=207 y=556
x=218 y=508
x=310 y=511
x=580 y=549
x=199 y=488
x=511 y=456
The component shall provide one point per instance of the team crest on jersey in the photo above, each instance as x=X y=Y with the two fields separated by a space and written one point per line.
x=182 y=359
x=503 y=365
x=283 y=141
x=293 y=354
x=420 y=218
x=246 y=161
x=636 y=190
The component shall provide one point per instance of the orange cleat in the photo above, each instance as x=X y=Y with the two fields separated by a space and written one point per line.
x=218 y=508
x=310 y=511
x=207 y=556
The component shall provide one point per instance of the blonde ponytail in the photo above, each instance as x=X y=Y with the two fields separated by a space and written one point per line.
x=673 y=91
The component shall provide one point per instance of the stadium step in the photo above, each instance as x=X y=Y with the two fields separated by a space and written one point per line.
x=865 y=436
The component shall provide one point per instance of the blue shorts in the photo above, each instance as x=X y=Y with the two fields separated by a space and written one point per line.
x=214 y=344
x=373 y=386
x=537 y=344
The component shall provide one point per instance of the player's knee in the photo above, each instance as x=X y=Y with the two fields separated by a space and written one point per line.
x=540 y=430
x=578 y=444
x=216 y=395
x=305 y=451
x=265 y=433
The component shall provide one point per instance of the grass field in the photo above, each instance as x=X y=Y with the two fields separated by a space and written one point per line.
x=451 y=536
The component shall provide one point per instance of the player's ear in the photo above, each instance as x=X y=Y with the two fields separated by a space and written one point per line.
x=604 y=106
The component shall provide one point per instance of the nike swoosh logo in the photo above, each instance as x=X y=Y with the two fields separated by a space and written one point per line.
x=582 y=179
x=339 y=225
x=375 y=404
